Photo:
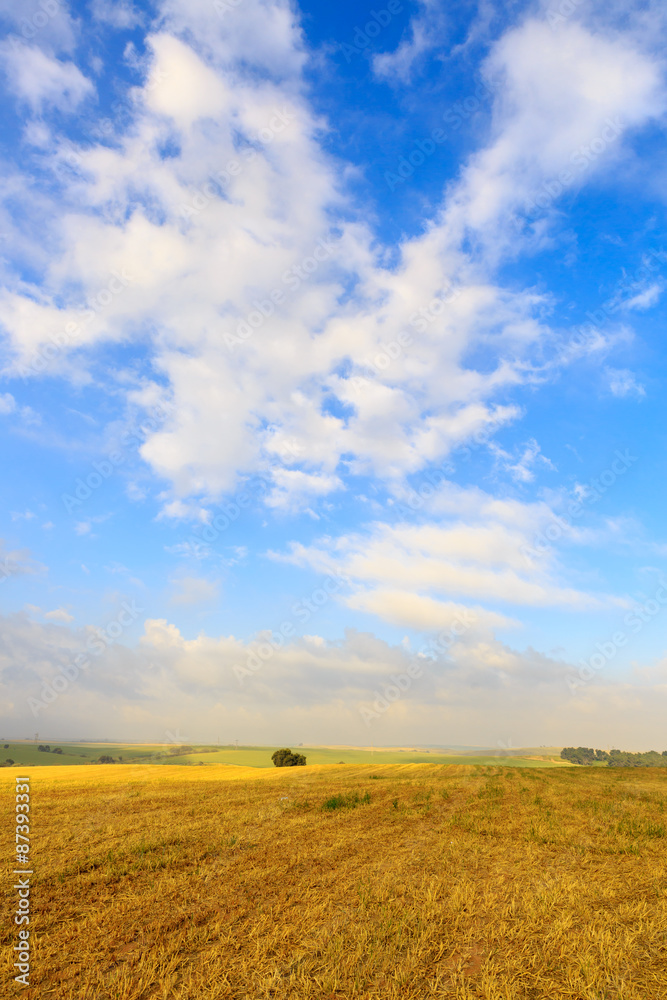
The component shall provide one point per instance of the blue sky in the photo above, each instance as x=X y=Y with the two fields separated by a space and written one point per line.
x=332 y=372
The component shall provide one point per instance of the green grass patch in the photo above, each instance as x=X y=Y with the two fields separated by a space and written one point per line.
x=347 y=801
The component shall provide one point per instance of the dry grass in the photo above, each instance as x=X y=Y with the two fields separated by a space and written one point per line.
x=453 y=882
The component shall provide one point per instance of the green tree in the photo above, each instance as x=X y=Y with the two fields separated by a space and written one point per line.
x=285 y=758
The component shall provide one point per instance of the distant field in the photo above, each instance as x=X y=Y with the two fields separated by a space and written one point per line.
x=261 y=757
x=75 y=753
x=254 y=756
x=383 y=882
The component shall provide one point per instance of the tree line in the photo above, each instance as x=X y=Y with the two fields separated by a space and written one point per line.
x=614 y=758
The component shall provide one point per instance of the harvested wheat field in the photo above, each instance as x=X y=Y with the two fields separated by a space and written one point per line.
x=410 y=881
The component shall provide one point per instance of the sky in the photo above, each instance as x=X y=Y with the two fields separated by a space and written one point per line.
x=332 y=372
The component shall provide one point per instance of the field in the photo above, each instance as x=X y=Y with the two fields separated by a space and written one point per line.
x=26 y=753
x=408 y=881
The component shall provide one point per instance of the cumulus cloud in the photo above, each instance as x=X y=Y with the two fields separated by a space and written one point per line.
x=41 y=80
x=482 y=692
x=471 y=546
x=59 y=615
x=412 y=610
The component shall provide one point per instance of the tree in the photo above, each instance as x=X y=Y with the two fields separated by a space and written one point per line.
x=583 y=755
x=56 y=750
x=285 y=758
x=105 y=759
x=9 y=761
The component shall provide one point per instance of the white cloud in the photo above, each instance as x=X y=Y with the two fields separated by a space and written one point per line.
x=119 y=14
x=7 y=403
x=26 y=515
x=47 y=23
x=522 y=469
x=623 y=383
x=59 y=615
x=646 y=298
x=426 y=32
x=194 y=590
x=181 y=87
x=559 y=90
x=481 y=549
x=293 y=488
x=404 y=607
x=42 y=80
x=17 y=562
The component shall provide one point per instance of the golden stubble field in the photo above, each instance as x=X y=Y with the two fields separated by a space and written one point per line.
x=495 y=883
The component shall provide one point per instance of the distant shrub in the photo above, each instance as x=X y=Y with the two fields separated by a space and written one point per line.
x=105 y=759
x=56 y=750
x=44 y=747
x=6 y=746
x=285 y=758
x=9 y=762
